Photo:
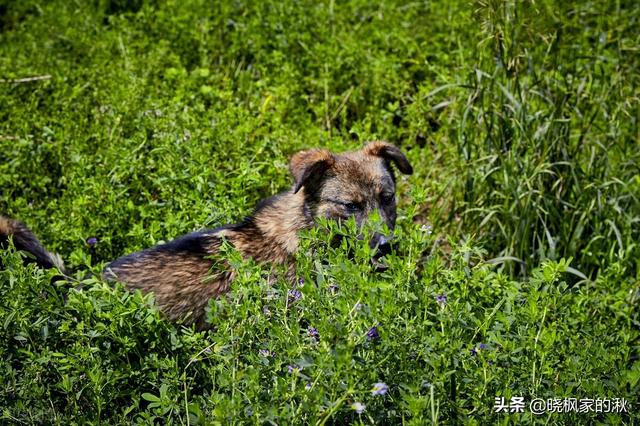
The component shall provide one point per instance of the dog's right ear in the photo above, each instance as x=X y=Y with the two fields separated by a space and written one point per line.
x=308 y=167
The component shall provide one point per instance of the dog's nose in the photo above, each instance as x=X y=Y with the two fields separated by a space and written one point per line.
x=381 y=244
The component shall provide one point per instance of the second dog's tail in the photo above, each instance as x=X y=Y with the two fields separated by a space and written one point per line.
x=25 y=240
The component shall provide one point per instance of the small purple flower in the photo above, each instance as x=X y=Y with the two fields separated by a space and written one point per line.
x=441 y=299
x=314 y=334
x=265 y=353
x=358 y=407
x=293 y=368
x=300 y=282
x=294 y=295
x=426 y=229
x=373 y=334
x=379 y=389
x=360 y=306
x=473 y=351
x=92 y=241
x=483 y=346
x=307 y=386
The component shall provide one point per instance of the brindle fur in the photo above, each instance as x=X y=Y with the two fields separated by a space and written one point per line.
x=182 y=274
x=25 y=240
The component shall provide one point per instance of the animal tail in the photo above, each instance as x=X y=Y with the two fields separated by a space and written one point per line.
x=25 y=240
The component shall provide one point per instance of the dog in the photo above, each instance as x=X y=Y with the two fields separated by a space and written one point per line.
x=182 y=274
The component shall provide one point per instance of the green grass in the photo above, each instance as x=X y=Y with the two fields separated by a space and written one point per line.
x=156 y=118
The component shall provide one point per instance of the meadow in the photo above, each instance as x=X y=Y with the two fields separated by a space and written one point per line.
x=127 y=123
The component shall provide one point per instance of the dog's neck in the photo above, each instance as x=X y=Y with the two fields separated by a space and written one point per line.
x=271 y=234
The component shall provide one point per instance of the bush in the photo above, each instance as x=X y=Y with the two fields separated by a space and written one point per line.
x=446 y=336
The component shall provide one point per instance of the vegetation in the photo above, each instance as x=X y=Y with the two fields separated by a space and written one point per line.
x=517 y=267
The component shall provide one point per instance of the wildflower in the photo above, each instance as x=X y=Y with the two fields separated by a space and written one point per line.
x=360 y=306
x=379 y=389
x=293 y=368
x=294 y=295
x=441 y=299
x=92 y=241
x=300 y=282
x=373 y=334
x=473 y=351
x=427 y=229
x=358 y=407
x=307 y=386
x=265 y=352
x=314 y=334
x=483 y=346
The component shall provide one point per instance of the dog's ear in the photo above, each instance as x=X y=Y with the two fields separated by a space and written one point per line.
x=389 y=152
x=308 y=167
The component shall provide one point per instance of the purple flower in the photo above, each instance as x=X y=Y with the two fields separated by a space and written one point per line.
x=265 y=352
x=300 y=282
x=293 y=368
x=427 y=229
x=441 y=299
x=360 y=306
x=373 y=334
x=92 y=241
x=483 y=346
x=473 y=351
x=294 y=295
x=313 y=332
x=307 y=386
x=379 y=389
x=358 y=407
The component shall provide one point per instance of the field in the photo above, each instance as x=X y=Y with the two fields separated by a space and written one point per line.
x=127 y=123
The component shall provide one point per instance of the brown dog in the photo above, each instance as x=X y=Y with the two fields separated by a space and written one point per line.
x=179 y=273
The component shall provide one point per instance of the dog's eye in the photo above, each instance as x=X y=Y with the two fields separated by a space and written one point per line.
x=352 y=206
x=387 y=198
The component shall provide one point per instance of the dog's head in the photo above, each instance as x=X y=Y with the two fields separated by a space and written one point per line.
x=352 y=184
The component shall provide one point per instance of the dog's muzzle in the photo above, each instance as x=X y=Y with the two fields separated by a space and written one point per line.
x=381 y=244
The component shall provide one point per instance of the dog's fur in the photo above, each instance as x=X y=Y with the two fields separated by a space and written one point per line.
x=180 y=273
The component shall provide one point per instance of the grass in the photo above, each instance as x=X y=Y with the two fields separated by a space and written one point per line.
x=161 y=117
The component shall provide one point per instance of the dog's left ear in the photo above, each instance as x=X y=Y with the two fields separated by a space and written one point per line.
x=308 y=167
x=389 y=152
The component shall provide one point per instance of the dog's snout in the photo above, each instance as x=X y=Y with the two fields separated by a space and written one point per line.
x=377 y=240
x=381 y=243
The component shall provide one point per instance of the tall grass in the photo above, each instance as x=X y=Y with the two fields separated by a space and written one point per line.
x=549 y=134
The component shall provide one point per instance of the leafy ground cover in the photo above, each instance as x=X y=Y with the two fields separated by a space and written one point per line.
x=517 y=267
